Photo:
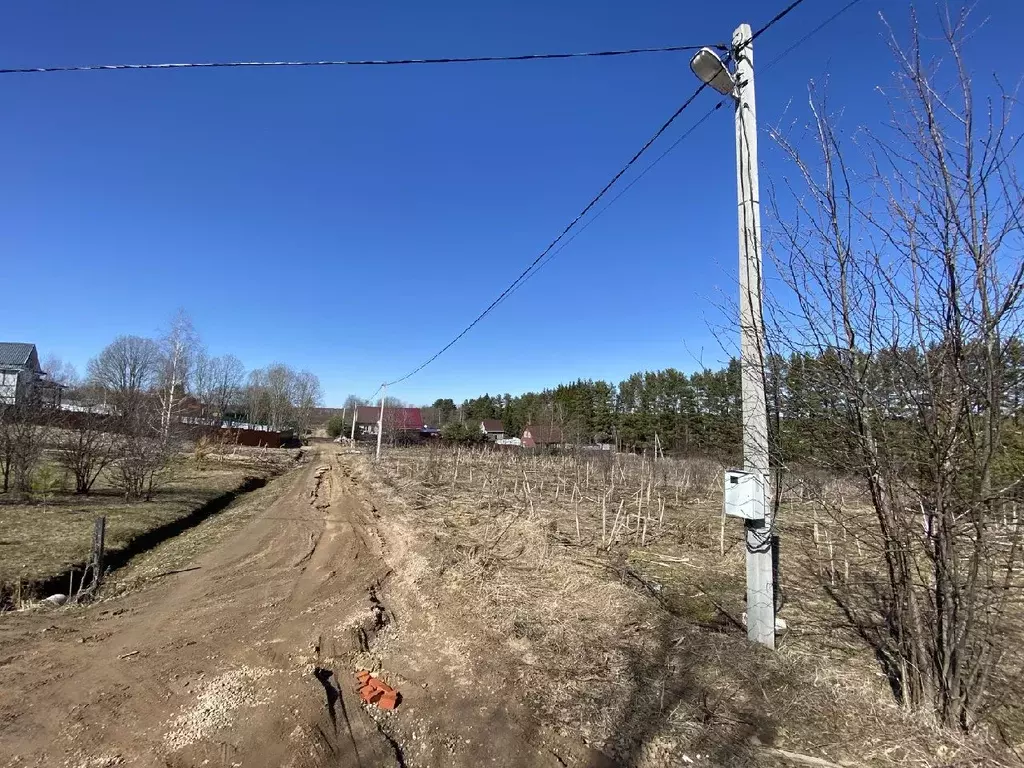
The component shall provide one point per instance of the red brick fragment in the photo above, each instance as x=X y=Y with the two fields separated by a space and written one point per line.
x=372 y=690
x=370 y=695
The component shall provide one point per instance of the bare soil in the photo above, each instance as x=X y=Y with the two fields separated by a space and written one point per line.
x=247 y=656
x=50 y=534
x=512 y=636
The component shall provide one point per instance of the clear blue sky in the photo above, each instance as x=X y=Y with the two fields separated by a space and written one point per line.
x=351 y=221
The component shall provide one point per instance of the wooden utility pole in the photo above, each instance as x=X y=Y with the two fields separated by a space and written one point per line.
x=380 y=420
x=760 y=578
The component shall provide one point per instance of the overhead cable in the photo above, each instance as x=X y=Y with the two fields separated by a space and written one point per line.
x=358 y=62
x=594 y=201
x=683 y=136
x=525 y=274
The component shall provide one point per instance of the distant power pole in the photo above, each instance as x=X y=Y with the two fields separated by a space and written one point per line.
x=760 y=576
x=380 y=421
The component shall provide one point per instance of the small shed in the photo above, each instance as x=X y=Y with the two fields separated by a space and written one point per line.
x=493 y=428
x=535 y=436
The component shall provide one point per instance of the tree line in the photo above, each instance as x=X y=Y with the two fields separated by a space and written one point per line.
x=140 y=397
x=161 y=379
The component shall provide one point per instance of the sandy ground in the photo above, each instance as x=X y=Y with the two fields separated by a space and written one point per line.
x=246 y=657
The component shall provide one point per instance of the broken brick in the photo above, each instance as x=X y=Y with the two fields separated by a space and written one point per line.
x=375 y=691
x=369 y=694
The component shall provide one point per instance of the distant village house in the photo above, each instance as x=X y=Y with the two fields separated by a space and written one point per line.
x=407 y=420
x=22 y=380
x=535 y=436
x=493 y=429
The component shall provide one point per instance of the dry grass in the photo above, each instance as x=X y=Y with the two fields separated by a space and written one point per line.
x=51 y=533
x=612 y=578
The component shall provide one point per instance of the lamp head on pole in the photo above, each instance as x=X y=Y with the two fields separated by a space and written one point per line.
x=711 y=70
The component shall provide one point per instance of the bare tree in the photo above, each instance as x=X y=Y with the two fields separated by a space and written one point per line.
x=256 y=398
x=124 y=371
x=201 y=384
x=354 y=401
x=227 y=374
x=903 y=284
x=60 y=372
x=280 y=394
x=307 y=395
x=178 y=349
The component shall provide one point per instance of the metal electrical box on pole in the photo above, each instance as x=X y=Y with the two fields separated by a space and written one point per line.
x=744 y=494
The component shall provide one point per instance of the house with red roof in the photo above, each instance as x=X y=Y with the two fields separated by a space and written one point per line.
x=536 y=436
x=406 y=420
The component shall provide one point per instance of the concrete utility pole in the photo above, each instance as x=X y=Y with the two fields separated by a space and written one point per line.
x=760 y=576
x=355 y=417
x=380 y=420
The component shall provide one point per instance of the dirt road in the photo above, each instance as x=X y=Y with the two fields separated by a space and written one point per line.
x=247 y=657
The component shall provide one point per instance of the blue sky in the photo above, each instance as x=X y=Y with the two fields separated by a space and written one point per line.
x=351 y=221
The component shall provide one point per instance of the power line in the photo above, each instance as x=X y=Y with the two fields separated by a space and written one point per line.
x=773 y=21
x=360 y=62
x=557 y=240
x=524 y=275
x=809 y=35
x=683 y=136
x=623 y=191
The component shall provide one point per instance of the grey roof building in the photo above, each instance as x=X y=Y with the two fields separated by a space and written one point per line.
x=18 y=354
x=22 y=381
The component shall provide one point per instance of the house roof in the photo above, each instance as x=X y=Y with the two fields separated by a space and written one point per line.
x=492 y=425
x=15 y=353
x=544 y=435
x=394 y=418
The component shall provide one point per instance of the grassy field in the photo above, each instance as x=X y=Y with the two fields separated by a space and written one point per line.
x=51 y=532
x=620 y=590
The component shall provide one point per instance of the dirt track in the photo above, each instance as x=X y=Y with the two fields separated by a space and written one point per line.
x=247 y=658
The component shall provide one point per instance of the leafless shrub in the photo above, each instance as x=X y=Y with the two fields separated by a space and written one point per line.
x=84 y=448
x=142 y=460
x=903 y=290
x=23 y=434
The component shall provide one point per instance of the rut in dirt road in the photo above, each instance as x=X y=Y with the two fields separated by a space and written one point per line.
x=218 y=662
x=249 y=657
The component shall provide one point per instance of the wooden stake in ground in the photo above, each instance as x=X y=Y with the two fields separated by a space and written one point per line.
x=604 y=517
x=99 y=534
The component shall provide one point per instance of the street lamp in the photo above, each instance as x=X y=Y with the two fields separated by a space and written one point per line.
x=749 y=499
x=710 y=70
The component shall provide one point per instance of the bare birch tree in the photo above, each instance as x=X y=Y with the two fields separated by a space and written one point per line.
x=903 y=281
x=178 y=349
